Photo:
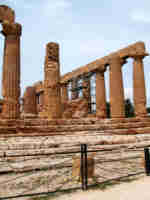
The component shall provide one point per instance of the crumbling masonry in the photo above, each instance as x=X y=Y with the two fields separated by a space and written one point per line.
x=68 y=96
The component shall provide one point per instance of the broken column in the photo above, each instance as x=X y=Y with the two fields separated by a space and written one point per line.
x=52 y=90
x=100 y=95
x=30 y=102
x=74 y=91
x=11 y=70
x=87 y=93
x=139 y=91
x=116 y=88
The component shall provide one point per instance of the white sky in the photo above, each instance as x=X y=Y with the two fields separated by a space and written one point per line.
x=85 y=30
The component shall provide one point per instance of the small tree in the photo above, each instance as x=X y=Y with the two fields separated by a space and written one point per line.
x=129 y=108
x=108 y=109
x=148 y=109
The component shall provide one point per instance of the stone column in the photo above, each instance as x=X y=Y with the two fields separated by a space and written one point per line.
x=100 y=95
x=74 y=85
x=64 y=92
x=87 y=92
x=30 y=102
x=117 y=106
x=52 y=90
x=11 y=70
x=139 y=92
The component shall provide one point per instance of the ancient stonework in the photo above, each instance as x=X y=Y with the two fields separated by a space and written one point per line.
x=116 y=88
x=139 y=91
x=52 y=89
x=30 y=102
x=100 y=95
x=6 y=14
x=87 y=94
x=74 y=85
x=11 y=70
x=64 y=93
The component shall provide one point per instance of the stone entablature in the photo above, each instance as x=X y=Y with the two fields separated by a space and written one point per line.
x=132 y=50
x=135 y=49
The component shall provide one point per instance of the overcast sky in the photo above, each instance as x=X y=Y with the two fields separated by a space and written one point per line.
x=85 y=30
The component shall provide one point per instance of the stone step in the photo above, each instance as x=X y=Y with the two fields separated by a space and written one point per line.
x=82 y=121
x=65 y=142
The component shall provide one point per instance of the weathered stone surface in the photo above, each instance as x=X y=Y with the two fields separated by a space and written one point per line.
x=76 y=166
x=139 y=91
x=52 y=90
x=116 y=88
x=74 y=92
x=11 y=70
x=76 y=108
x=29 y=102
x=100 y=95
x=7 y=14
x=87 y=94
x=64 y=93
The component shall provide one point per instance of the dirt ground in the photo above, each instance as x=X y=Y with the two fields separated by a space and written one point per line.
x=138 y=189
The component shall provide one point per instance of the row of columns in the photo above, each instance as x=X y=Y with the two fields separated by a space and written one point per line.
x=52 y=89
x=116 y=89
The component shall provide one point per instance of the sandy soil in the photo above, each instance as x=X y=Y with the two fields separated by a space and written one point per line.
x=139 y=190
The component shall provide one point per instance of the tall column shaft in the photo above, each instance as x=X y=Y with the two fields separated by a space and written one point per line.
x=52 y=90
x=116 y=88
x=100 y=95
x=139 y=92
x=11 y=71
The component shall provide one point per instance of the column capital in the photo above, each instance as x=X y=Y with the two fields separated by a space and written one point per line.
x=117 y=59
x=11 y=29
x=139 y=56
x=101 y=70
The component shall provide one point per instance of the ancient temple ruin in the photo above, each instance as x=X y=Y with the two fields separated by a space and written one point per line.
x=57 y=97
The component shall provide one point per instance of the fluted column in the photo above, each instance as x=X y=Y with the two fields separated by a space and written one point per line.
x=52 y=90
x=100 y=95
x=11 y=70
x=30 y=102
x=139 y=92
x=74 y=85
x=64 y=92
x=116 y=88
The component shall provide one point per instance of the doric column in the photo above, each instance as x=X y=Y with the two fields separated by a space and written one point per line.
x=74 y=92
x=30 y=102
x=100 y=95
x=87 y=92
x=116 y=88
x=64 y=92
x=52 y=90
x=139 y=92
x=11 y=70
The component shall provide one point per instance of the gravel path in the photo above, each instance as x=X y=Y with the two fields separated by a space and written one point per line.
x=138 y=189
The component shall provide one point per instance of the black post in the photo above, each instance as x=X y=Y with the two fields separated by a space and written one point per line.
x=147 y=161
x=84 y=166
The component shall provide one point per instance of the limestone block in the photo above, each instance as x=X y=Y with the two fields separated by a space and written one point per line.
x=76 y=166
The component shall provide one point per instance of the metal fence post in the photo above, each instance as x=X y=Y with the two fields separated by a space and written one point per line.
x=84 y=166
x=147 y=161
